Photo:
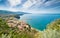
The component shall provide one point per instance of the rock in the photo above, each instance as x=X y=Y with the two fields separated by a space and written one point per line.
x=13 y=22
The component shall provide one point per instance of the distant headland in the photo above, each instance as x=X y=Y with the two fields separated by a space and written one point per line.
x=5 y=13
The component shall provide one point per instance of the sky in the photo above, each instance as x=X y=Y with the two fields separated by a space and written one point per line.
x=31 y=6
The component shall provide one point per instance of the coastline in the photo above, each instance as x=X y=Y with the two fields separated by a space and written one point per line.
x=24 y=28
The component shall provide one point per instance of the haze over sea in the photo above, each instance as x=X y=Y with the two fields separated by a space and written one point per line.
x=39 y=21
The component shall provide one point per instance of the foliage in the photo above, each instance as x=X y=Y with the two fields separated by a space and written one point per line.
x=54 y=25
x=8 y=32
x=52 y=30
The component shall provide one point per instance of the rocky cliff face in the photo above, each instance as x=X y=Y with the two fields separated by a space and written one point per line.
x=14 y=28
x=21 y=29
x=13 y=22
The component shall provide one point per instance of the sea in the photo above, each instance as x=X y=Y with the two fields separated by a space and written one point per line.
x=39 y=21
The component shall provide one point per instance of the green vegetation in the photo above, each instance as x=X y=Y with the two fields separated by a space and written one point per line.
x=9 y=32
x=54 y=25
x=52 y=31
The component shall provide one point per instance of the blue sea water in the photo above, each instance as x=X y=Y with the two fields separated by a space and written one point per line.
x=39 y=21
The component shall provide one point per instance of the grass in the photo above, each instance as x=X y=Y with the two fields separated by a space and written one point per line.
x=52 y=31
x=7 y=32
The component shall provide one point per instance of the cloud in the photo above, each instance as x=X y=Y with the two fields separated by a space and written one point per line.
x=28 y=4
x=25 y=5
x=14 y=2
x=31 y=4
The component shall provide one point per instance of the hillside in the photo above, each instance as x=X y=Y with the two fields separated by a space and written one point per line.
x=17 y=14
x=52 y=30
x=13 y=28
x=5 y=12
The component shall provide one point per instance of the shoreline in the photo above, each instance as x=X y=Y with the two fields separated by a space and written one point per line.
x=30 y=25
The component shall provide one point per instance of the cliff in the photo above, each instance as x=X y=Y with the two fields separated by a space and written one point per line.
x=14 y=28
